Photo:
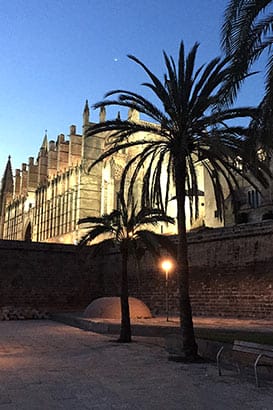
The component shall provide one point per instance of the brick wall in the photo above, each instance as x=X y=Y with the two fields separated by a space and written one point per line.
x=46 y=276
x=231 y=274
x=232 y=271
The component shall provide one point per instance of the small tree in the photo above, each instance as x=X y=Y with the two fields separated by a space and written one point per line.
x=130 y=231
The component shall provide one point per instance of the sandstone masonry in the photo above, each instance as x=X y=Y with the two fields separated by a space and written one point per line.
x=231 y=275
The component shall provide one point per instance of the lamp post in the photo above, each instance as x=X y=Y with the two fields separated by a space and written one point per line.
x=166 y=266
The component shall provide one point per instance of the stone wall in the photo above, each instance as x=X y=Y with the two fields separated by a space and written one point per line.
x=231 y=271
x=236 y=273
x=231 y=275
x=47 y=276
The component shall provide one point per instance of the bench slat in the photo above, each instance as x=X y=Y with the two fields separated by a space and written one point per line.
x=254 y=348
x=253 y=351
x=252 y=344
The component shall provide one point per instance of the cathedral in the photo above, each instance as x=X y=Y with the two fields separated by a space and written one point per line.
x=45 y=199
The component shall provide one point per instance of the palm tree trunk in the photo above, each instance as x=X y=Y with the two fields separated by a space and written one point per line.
x=125 y=330
x=186 y=324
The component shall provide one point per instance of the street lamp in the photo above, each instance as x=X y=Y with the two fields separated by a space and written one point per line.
x=167 y=266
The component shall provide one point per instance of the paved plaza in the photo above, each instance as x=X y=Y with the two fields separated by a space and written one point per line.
x=48 y=365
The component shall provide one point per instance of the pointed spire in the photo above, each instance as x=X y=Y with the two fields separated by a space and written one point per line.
x=7 y=177
x=7 y=180
x=118 y=116
x=102 y=114
x=86 y=113
x=6 y=193
x=45 y=142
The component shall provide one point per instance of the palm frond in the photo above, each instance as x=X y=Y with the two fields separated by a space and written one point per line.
x=159 y=89
x=94 y=233
x=244 y=37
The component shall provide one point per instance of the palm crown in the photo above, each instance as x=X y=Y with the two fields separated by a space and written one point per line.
x=128 y=229
x=190 y=129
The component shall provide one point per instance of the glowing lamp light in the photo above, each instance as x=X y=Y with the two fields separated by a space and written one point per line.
x=167 y=266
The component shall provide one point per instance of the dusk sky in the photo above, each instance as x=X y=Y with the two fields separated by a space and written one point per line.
x=55 y=54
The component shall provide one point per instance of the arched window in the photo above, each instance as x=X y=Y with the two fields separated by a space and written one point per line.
x=28 y=233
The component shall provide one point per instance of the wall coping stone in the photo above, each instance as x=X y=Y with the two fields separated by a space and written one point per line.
x=202 y=235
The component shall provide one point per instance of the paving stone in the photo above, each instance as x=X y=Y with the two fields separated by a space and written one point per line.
x=55 y=366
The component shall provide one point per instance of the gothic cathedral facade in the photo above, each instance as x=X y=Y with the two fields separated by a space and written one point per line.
x=45 y=199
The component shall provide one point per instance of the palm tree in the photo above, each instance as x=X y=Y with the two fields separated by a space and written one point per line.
x=247 y=32
x=130 y=231
x=187 y=130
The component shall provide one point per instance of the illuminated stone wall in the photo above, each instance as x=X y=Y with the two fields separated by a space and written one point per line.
x=231 y=275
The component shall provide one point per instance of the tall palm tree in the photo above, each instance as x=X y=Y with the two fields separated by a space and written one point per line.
x=247 y=32
x=131 y=231
x=188 y=129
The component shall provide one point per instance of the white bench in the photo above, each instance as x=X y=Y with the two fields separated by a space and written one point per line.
x=258 y=350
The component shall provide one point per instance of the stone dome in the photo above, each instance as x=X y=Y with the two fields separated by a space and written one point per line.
x=109 y=308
